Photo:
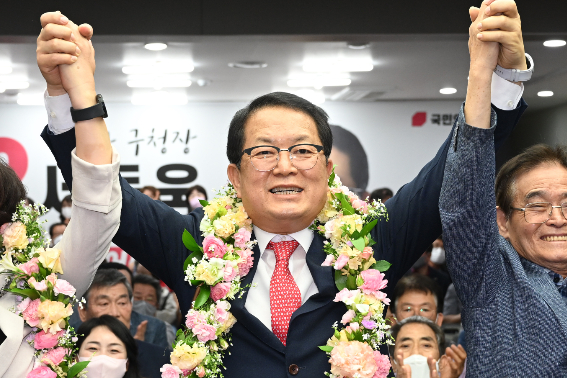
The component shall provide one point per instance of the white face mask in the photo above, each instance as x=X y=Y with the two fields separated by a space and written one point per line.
x=419 y=366
x=66 y=212
x=105 y=367
x=438 y=255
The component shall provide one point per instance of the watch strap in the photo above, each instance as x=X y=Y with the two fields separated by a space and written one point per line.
x=515 y=75
x=97 y=110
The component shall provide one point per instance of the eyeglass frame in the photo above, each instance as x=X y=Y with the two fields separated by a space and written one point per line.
x=249 y=150
x=552 y=207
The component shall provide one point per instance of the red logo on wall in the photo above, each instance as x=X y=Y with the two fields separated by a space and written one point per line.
x=418 y=119
x=17 y=155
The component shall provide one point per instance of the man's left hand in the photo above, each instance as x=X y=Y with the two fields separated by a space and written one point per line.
x=502 y=24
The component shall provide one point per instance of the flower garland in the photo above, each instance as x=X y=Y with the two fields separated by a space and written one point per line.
x=43 y=300
x=226 y=257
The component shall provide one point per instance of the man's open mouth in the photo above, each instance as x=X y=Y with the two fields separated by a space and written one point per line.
x=551 y=238
x=285 y=190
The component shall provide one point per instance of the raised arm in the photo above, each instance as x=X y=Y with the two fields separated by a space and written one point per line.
x=467 y=201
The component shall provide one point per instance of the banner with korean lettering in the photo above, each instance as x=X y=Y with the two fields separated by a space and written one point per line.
x=173 y=148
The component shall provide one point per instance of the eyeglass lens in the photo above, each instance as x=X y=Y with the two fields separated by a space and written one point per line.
x=540 y=212
x=266 y=158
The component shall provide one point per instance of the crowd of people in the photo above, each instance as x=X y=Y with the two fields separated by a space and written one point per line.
x=468 y=246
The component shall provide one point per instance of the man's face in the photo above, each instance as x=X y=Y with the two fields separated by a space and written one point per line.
x=416 y=338
x=270 y=209
x=145 y=292
x=544 y=243
x=417 y=303
x=112 y=301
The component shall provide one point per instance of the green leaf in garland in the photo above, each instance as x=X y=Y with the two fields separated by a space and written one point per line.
x=198 y=255
x=351 y=282
x=332 y=176
x=368 y=227
x=196 y=282
x=193 y=375
x=359 y=244
x=326 y=348
x=190 y=242
x=30 y=293
x=340 y=280
x=202 y=297
x=345 y=204
x=381 y=266
x=204 y=203
x=371 y=242
x=77 y=368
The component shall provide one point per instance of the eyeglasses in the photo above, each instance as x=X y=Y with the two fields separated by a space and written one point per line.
x=302 y=156
x=540 y=212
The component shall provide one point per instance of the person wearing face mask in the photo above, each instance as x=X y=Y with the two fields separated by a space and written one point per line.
x=109 y=347
x=56 y=232
x=66 y=210
x=427 y=267
x=193 y=195
x=418 y=350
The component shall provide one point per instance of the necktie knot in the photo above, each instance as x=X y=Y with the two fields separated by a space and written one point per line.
x=283 y=250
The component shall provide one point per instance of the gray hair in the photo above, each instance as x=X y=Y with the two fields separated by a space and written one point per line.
x=108 y=278
x=440 y=338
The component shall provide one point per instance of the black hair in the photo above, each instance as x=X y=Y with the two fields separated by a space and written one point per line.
x=416 y=282
x=120 y=331
x=12 y=191
x=236 y=137
x=107 y=278
x=345 y=141
x=381 y=194
x=117 y=266
x=53 y=226
x=147 y=280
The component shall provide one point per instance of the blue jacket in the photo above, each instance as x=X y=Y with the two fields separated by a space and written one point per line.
x=151 y=232
x=513 y=315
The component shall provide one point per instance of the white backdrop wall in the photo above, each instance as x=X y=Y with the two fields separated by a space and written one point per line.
x=396 y=150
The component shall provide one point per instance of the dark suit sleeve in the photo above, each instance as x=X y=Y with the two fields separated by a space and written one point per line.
x=150 y=231
x=414 y=218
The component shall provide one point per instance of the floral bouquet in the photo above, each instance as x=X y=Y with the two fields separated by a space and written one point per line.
x=346 y=221
x=216 y=269
x=43 y=300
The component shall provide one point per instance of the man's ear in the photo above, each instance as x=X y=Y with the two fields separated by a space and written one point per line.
x=234 y=174
x=83 y=313
x=440 y=319
x=502 y=223
x=329 y=166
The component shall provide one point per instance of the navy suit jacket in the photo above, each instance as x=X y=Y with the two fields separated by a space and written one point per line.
x=513 y=314
x=151 y=232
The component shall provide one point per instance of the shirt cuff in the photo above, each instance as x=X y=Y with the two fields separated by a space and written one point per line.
x=504 y=94
x=58 y=113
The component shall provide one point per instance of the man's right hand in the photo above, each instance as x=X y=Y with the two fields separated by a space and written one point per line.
x=56 y=46
x=141 y=330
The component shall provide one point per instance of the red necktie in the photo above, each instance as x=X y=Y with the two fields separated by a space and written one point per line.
x=285 y=297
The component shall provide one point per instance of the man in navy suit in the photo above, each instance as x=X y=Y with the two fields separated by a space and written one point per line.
x=282 y=202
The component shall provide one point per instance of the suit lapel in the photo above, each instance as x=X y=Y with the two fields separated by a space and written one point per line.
x=249 y=321
x=540 y=280
x=323 y=278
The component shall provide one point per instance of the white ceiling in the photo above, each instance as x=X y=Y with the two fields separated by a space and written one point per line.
x=405 y=67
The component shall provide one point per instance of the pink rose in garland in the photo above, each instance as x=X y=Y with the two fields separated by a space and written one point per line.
x=46 y=340
x=194 y=318
x=14 y=236
x=55 y=356
x=63 y=287
x=247 y=256
x=214 y=247
x=41 y=372
x=353 y=359
x=383 y=365
x=220 y=291
x=204 y=332
x=30 y=313
x=170 y=371
x=373 y=281
x=30 y=267
x=242 y=237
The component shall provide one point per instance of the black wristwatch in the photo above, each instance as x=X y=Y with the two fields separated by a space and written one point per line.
x=98 y=110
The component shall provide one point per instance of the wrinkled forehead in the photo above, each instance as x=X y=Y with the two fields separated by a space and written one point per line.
x=545 y=182
x=415 y=332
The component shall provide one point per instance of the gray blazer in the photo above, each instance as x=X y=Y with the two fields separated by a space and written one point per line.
x=513 y=315
x=97 y=203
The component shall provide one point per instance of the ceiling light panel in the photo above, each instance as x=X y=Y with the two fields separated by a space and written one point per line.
x=554 y=43
x=160 y=82
x=156 y=46
x=319 y=82
x=545 y=94
x=5 y=70
x=159 y=98
x=158 y=68
x=448 y=91
x=14 y=85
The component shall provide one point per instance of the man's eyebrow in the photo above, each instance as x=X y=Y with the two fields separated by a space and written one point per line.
x=102 y=296
x=299 y=138
x=539 y=193
x=427 y=338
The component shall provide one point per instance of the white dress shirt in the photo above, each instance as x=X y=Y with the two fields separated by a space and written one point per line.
x=258 y=298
